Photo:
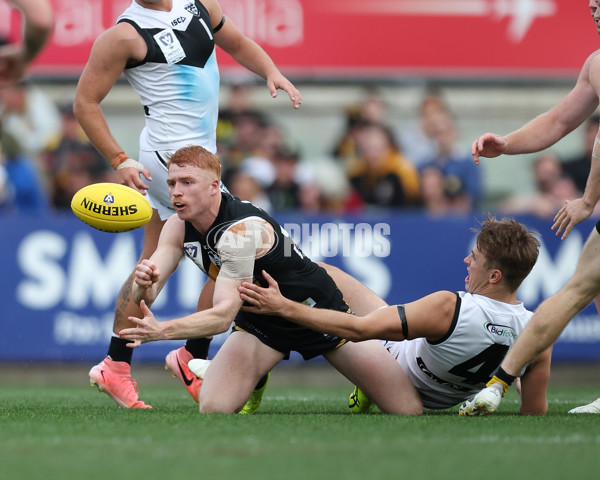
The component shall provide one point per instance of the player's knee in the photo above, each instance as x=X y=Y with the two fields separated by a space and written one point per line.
x=410 y=408
x=210 y=404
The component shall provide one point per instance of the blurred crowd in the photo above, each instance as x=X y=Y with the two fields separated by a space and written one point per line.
x=45 y=158
x=44 y=155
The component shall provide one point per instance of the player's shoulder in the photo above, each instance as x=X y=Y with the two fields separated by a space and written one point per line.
x=120 y=38
x=443 y=302
x=444 y=297
x=174 y=226
x=592 y=62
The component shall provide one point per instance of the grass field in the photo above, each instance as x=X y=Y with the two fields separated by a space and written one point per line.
x=68 y=431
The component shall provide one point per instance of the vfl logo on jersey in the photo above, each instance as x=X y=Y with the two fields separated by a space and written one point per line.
x=166 y=38
x=109 y=199
x=500 y=330
x=170 y=46
x=191 y=250
x=191 y=7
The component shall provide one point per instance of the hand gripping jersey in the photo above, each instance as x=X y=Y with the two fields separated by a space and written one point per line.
x=178 y=81
x=452 y=369
x=299 y=278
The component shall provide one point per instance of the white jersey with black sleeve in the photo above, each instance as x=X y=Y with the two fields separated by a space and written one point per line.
x=178 y=80
x=457 y=366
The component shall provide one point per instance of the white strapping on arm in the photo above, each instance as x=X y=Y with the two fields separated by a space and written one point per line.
x=241 y=244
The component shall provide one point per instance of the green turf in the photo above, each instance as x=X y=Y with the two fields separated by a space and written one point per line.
x=72 y=432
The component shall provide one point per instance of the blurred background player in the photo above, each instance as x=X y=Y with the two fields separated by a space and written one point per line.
x=157 y=44
x=38 y=21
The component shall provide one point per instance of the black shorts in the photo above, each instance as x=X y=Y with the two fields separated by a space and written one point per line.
x=285 y=337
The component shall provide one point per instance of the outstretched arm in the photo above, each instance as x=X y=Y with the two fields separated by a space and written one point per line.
x=548 y=128
x=237 y=249
x=250 y=55
x=215 y=320
x=38 y=20
x=578 y=210
x=427 y=317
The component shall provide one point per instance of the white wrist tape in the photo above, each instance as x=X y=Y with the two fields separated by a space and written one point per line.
x=131 y=163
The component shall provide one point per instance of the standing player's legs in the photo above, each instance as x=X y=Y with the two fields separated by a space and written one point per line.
x=241 y=362
x=370 y=366
x=113 y=375
x=553 y=315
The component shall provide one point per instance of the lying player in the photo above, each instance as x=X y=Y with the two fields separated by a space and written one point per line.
x=449 y=344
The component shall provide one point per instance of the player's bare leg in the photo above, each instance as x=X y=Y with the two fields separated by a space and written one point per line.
x=232 y=375
x=359 y=298
x=370 y=366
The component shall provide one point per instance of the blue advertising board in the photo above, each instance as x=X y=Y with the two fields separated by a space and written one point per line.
x=60 y=278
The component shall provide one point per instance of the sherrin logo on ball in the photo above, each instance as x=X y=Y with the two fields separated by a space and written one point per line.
x=111 y=207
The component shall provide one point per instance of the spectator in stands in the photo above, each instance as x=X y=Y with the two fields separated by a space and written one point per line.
x=30 y=116
x=285 y=191
x=21 y=188
x=370 y=110
x=462 y=182
x=238 y=102
x=71 y=162
x=435 y=200
x=578 y=168
x=249 y=127
x=383 y=176
x=245 y=186
x=79 y=167
x=418 y=142
x=553 y=189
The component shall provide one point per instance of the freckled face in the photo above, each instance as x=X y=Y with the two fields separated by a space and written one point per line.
x=190 y=190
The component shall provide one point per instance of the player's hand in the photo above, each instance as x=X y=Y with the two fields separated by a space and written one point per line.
x=266 y=301
x=128 y=174
x=280 y=82
x=147 y=328
x=13 y=64
x=572 y=213
x=146 y=273
x=488 y=145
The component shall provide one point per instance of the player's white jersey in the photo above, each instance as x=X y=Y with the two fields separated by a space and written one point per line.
x=178 y=81
x=448 y=371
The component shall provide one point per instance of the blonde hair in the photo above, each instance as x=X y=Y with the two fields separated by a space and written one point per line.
x=198 y=157
x=508 y=246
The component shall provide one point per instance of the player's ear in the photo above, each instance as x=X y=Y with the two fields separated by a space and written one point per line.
x=495 y=276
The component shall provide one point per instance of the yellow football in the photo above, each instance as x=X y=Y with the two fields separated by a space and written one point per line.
x=111 y=207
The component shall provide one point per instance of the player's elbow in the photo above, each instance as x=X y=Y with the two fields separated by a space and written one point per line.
x=358 y=330
x=223 y=317
x=78 y=108
x=356 y=336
